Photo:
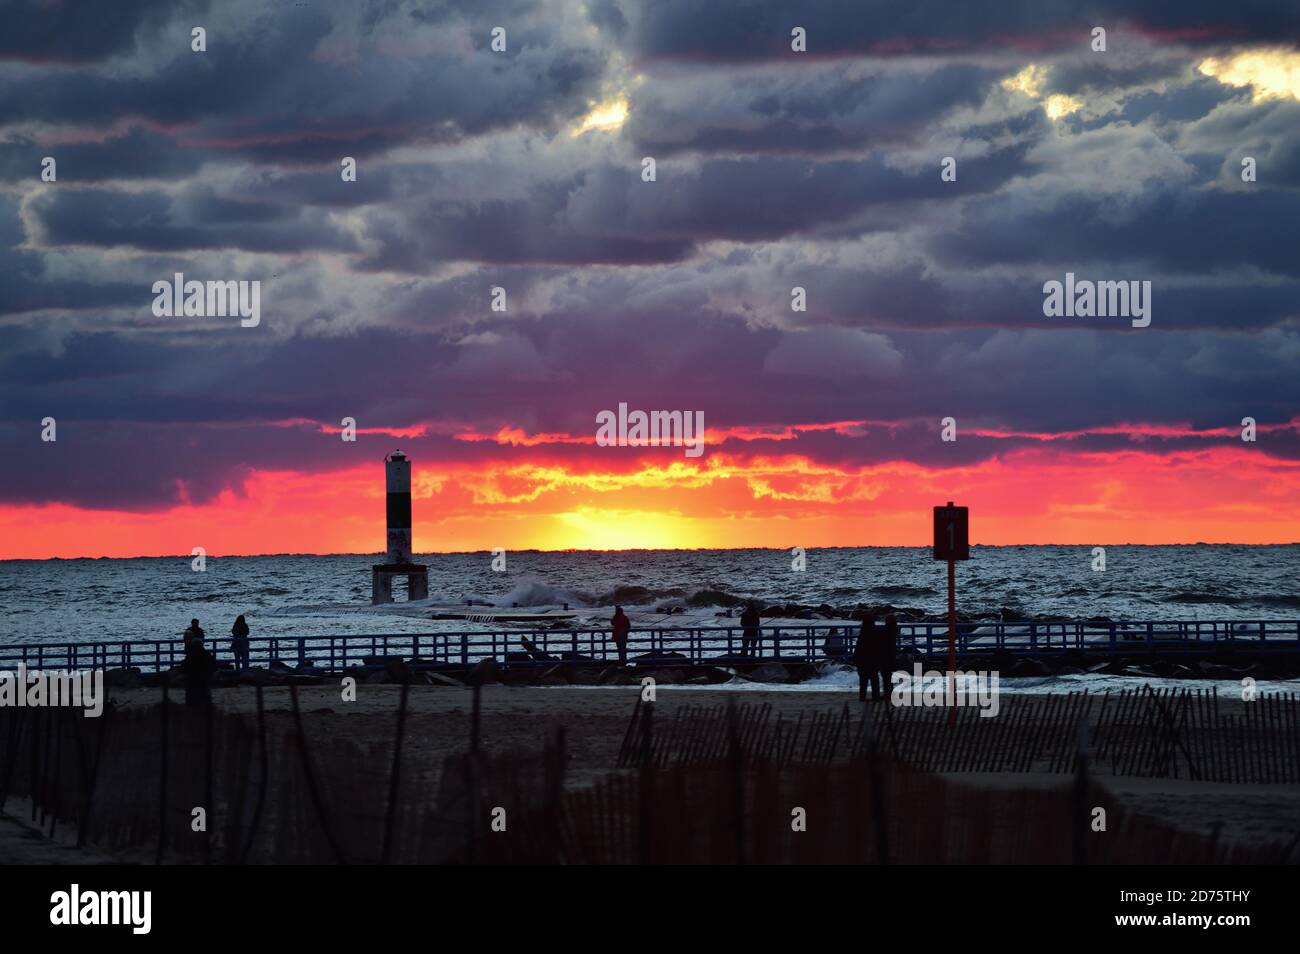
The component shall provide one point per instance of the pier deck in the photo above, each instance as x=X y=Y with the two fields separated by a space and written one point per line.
x=695 y=645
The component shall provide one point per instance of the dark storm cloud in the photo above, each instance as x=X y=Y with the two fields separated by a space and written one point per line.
x=323 y=185
x=1080 y=75
x=1061 y=380
x=11 y=226
x=157 y=415
x=265 y=94
x=913 y=296
x=607 y=214
x=445 y=11
x=186 y=87
x=1183 y=231
x=163 y=466
x=919 y=443
x=1181 y=104
x=507 y=232
x=924 y=296
x=1284 y=163
x=1268 y=131
x=26 y=283
x=738 y=30
x=145 y=424
x=1050 y=380
x=156 y=221
x=136 y=154
x=158 y=467
x=607 y=15
x=789 y=113
x=79 y=31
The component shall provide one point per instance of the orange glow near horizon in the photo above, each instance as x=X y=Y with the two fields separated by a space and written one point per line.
x=1030 y=496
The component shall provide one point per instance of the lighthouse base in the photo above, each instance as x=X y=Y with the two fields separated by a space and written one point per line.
x=381 y=581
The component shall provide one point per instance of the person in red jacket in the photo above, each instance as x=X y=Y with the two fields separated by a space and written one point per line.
x=621 y=626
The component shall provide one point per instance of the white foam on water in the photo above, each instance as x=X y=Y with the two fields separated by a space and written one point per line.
x=839 y=679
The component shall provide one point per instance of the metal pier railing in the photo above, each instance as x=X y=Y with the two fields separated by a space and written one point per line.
x=694 y=645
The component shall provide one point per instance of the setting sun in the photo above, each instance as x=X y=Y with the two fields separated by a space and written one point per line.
x=593 y=528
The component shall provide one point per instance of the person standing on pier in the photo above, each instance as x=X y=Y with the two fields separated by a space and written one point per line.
x=194 y=632
x=888 y=648
x=865 y=654
x=239 y=642
x=621 y=626
x=198 y=667
x=749 y=621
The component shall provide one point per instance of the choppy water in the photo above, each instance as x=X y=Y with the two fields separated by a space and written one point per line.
x=154 y=598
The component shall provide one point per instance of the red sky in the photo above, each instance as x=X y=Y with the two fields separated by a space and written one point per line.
x=660 y=499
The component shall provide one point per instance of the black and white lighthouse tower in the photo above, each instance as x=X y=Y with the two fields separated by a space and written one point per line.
x=398 y=560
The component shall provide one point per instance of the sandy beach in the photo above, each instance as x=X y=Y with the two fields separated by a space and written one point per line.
x=522 y=719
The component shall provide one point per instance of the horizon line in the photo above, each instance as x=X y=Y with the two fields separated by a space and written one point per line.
x=856 y=546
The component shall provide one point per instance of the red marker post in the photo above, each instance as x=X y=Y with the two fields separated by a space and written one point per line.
x=952 y=543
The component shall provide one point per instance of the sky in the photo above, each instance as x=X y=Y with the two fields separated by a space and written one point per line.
x=523 y=169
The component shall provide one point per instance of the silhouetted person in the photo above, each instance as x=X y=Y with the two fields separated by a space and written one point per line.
x=749 y=621
x=835 y=646
x=888 y=647
x=865 y=654
x=198 y=667
x=239 y=642
x=621 y=626
x=194 y=632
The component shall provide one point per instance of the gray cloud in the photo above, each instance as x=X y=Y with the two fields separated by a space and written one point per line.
x=924 y=296
x=740 y=30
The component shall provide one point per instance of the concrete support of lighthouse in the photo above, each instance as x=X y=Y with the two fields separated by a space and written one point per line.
x=397 y=483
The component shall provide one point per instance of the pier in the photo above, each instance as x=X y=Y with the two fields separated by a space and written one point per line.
x=823 y=641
